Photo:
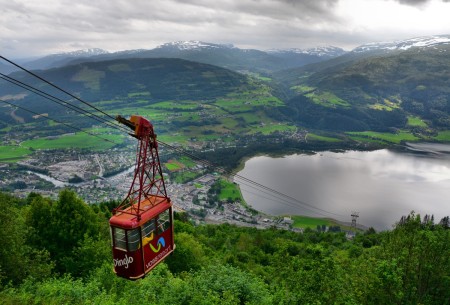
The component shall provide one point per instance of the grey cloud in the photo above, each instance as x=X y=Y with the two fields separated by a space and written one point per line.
x=416 y=2
x=42 y=27
x=412 y=2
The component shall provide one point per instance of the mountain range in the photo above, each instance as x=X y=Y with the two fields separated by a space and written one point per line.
x=227 y=56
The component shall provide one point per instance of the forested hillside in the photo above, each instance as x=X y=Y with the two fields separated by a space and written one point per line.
x=372 y=91
x=58 y=252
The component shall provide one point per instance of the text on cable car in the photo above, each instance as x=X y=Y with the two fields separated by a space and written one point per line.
x=123 y=262
x=157 y=258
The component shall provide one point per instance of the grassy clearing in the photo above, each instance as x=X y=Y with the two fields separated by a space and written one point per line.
x=246 y=104
x=251 y=118
x=78 y=140
x=303 y=89
x=380 y=107
x=443 y=136
x=174 y=138
x=386 y=136
x=271 y=128
x=387 y=105
x=414 y=121
x=170 y=105
x=310 y=222
x=13 y=153
x=365 y=139
x=264 y=78
x=90 y=78
x=174 y=165
x=314 y=137
x=229 y=190
x=183 y=162
x=327 y=99
x=187 y=162
x=184 y=176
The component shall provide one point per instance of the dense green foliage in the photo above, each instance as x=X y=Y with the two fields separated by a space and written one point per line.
x=58 y=252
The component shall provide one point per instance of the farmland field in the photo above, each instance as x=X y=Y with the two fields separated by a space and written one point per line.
x=443 y=136
x=314 y=137
x=416 y=121
x=309 y=222
x=13 y=153
x=386 y=136
x=76 y=140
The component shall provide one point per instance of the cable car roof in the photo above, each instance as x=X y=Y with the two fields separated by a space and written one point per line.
x=149 y=209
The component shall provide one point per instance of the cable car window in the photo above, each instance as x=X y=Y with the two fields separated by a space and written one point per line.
x=119 y=239
x=163 y=221
x=133 y=239
x=148 y=228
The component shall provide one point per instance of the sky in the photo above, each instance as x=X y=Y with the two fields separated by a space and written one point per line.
x=40 y=27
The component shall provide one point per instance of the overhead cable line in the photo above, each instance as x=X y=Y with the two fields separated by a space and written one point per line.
x=57 y=100
x=55 y=86
x=49 y=118
x=254 y=183
x=283 y=201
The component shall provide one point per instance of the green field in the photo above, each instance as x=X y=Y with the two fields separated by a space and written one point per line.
x=184 y=176
x=443 y=136
x=248 y=103
x=179 y=138
x=170 y=105
x=271 y=128
x=78 y=140
x=367 y=140
x=414 y=121
x=385 y=136
x=173 y=166
x=314 y=137
x=13 y=153
x=229 y=190
x=303 y=89
x=327 y=99
x=186 y=162
x=310 y=222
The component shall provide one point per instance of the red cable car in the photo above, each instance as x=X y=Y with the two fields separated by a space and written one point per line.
x=142 y=225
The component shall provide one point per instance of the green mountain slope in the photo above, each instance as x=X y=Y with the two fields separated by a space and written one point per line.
x=182 y=97
x=161 y=78
x=378 y=92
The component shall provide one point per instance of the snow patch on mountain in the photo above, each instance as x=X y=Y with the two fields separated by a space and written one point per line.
x=84 y=53
x=325 y=51
x=424 y=42
x=193 y=45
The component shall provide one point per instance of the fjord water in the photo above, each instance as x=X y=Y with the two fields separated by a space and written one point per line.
x=381 y=185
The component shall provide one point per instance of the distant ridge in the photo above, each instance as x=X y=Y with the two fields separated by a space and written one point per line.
x=425 y=41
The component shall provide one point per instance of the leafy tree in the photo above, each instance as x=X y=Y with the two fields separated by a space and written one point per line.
x=219 y=284
x=189 y=254
x=61 y=227
x=17 y=258
x=421 y=253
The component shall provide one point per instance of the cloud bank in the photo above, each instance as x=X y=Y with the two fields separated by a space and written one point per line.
x=41 y=27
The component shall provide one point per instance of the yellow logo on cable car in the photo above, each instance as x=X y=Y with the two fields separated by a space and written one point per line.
x=160 y=244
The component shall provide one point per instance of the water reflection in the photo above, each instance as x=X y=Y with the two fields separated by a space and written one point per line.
x=382 y=185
